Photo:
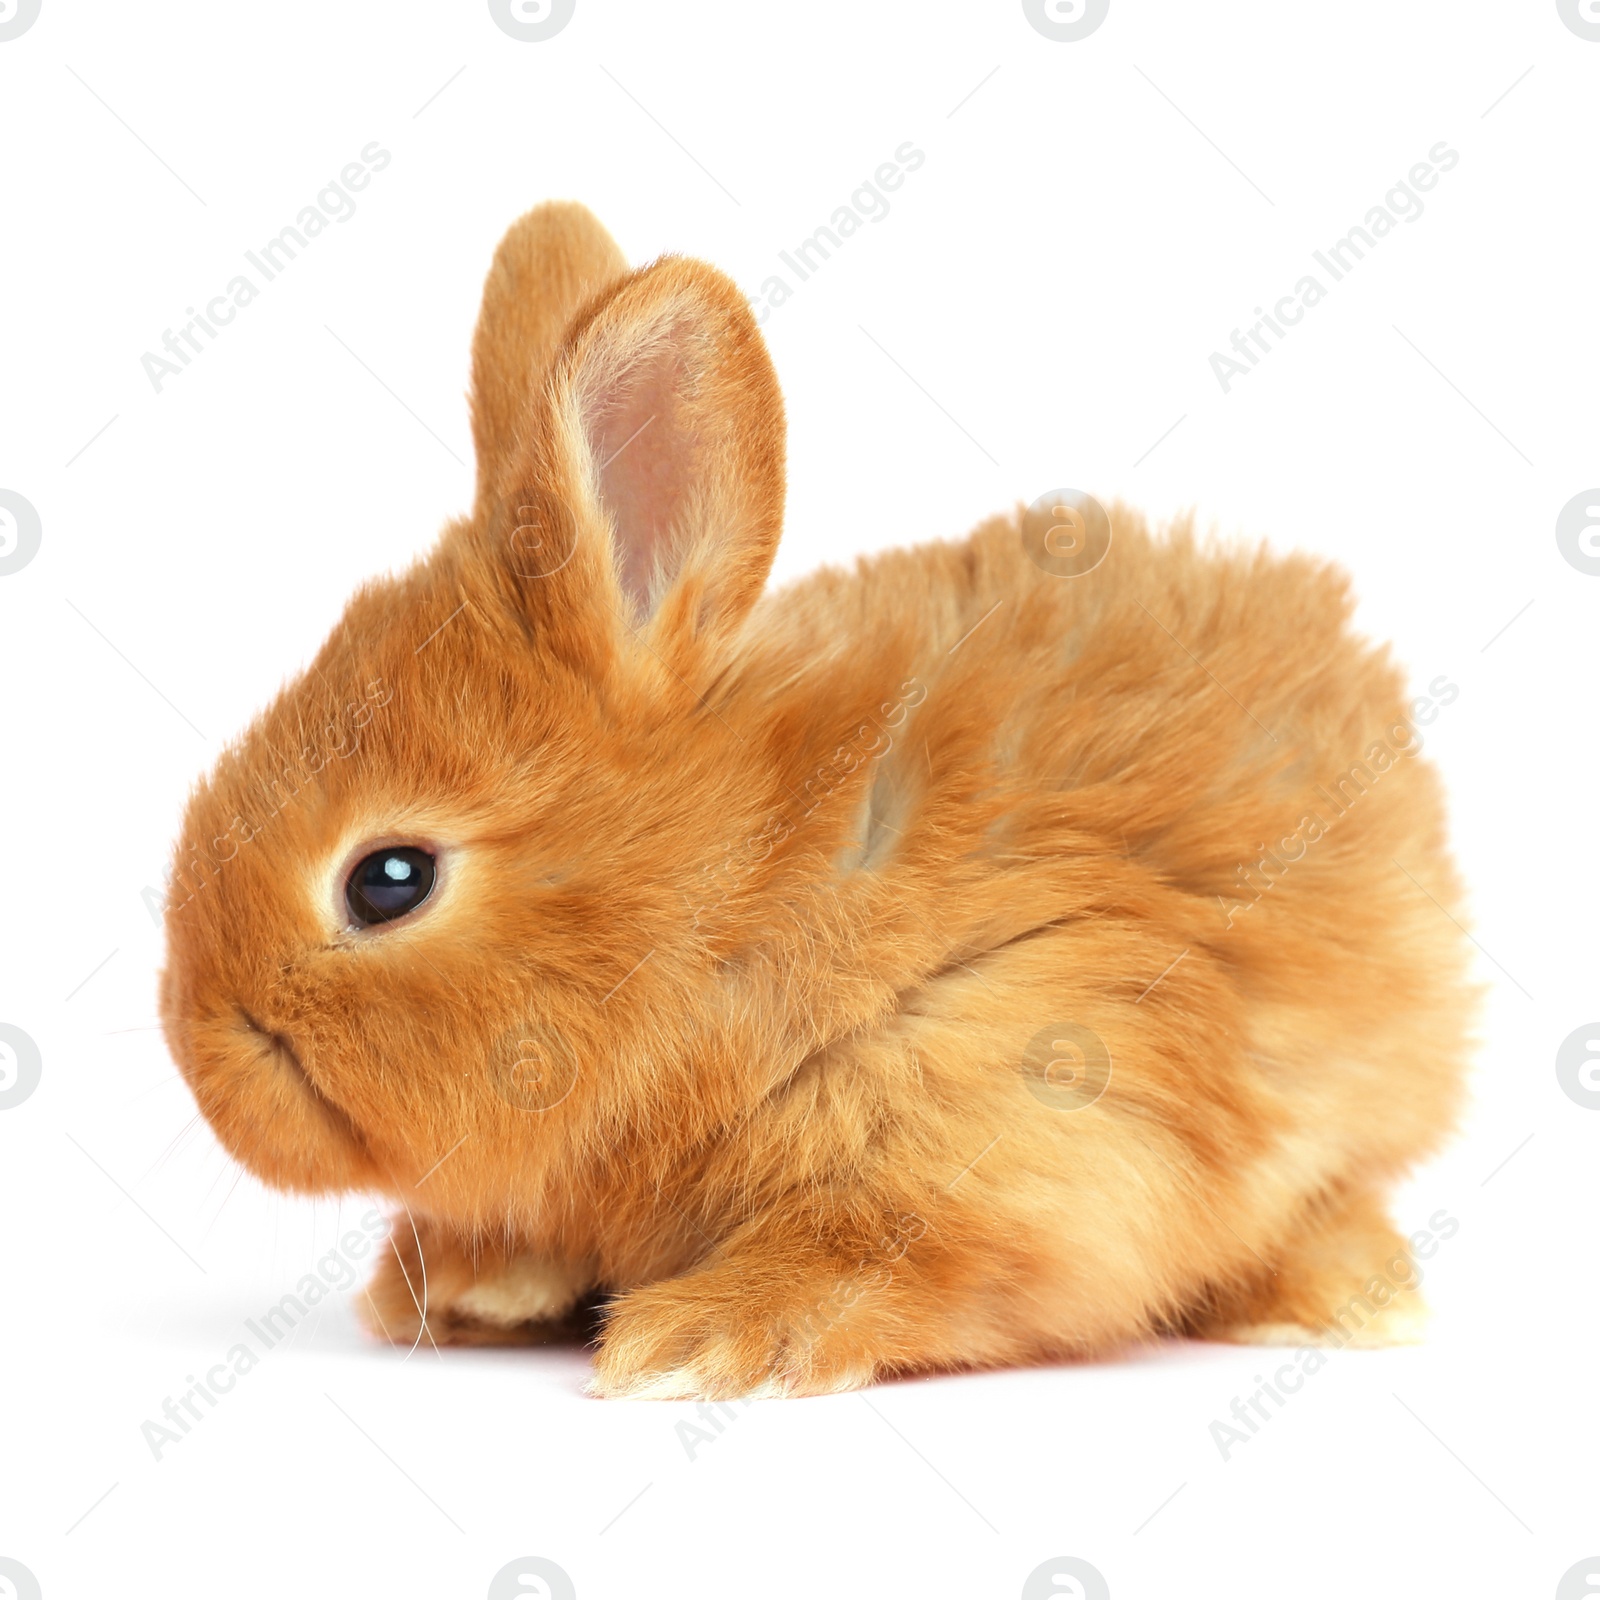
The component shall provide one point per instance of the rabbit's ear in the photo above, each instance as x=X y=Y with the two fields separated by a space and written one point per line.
x=549 y=264
x=659 y=446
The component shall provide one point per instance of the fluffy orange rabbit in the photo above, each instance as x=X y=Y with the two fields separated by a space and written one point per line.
x=945 y=963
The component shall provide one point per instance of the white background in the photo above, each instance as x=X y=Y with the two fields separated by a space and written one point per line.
x=1037 y=309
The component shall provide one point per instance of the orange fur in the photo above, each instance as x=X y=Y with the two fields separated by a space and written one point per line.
x=751 y=907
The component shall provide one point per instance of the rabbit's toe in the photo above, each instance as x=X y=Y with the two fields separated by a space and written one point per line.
x=677 y=1341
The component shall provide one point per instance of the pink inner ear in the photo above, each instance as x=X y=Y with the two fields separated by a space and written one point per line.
x=640 y=454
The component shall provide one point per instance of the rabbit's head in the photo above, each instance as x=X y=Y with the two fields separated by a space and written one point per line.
x=427 y=917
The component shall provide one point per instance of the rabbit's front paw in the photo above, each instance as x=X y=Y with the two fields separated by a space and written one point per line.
x=712 y=1337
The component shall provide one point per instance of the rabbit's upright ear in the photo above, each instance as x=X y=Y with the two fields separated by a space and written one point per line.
x=549 y=264
x=652 y=496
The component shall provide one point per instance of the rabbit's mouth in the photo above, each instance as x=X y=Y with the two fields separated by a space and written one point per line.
x=283 y=1053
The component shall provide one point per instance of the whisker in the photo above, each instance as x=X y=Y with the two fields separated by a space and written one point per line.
x=224 y=1206
x=421 y=1305
x=150 y=1088
x=172 y=1147
x=379 y=1315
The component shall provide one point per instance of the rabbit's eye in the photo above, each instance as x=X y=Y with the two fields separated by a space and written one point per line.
x=388 y=884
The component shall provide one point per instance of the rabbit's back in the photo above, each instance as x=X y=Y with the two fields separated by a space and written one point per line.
x=1163 y=827
x=1187 y=706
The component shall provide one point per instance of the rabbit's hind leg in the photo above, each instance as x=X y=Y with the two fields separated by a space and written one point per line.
x=1344 y=1278
x=432 y=1285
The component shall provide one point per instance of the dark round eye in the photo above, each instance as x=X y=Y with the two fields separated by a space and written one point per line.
x=389 y=883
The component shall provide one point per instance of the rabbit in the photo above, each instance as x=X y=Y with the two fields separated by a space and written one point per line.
x=1000 y=953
